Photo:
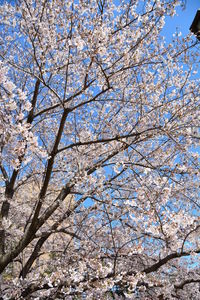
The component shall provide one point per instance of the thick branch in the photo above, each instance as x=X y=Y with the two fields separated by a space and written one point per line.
x=166 y=259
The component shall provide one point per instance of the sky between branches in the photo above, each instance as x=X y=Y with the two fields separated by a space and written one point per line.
x=182 y=21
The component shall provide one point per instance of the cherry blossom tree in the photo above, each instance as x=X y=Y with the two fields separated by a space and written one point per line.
x=99 y=161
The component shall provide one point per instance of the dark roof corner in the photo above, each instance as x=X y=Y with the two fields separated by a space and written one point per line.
x=195 y=27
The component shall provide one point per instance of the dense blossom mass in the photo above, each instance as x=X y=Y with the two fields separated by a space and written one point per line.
x=99 y=160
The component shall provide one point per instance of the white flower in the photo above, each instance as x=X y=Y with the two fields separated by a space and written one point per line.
x=6 y=223
x=9 y=86
x=27 y=106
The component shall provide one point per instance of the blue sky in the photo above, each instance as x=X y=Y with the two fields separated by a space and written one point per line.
x=183 y=20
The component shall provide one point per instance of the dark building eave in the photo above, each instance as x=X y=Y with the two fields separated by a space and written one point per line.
x=193 y=27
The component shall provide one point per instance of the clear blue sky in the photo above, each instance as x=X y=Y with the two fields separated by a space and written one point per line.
x=183 y=21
